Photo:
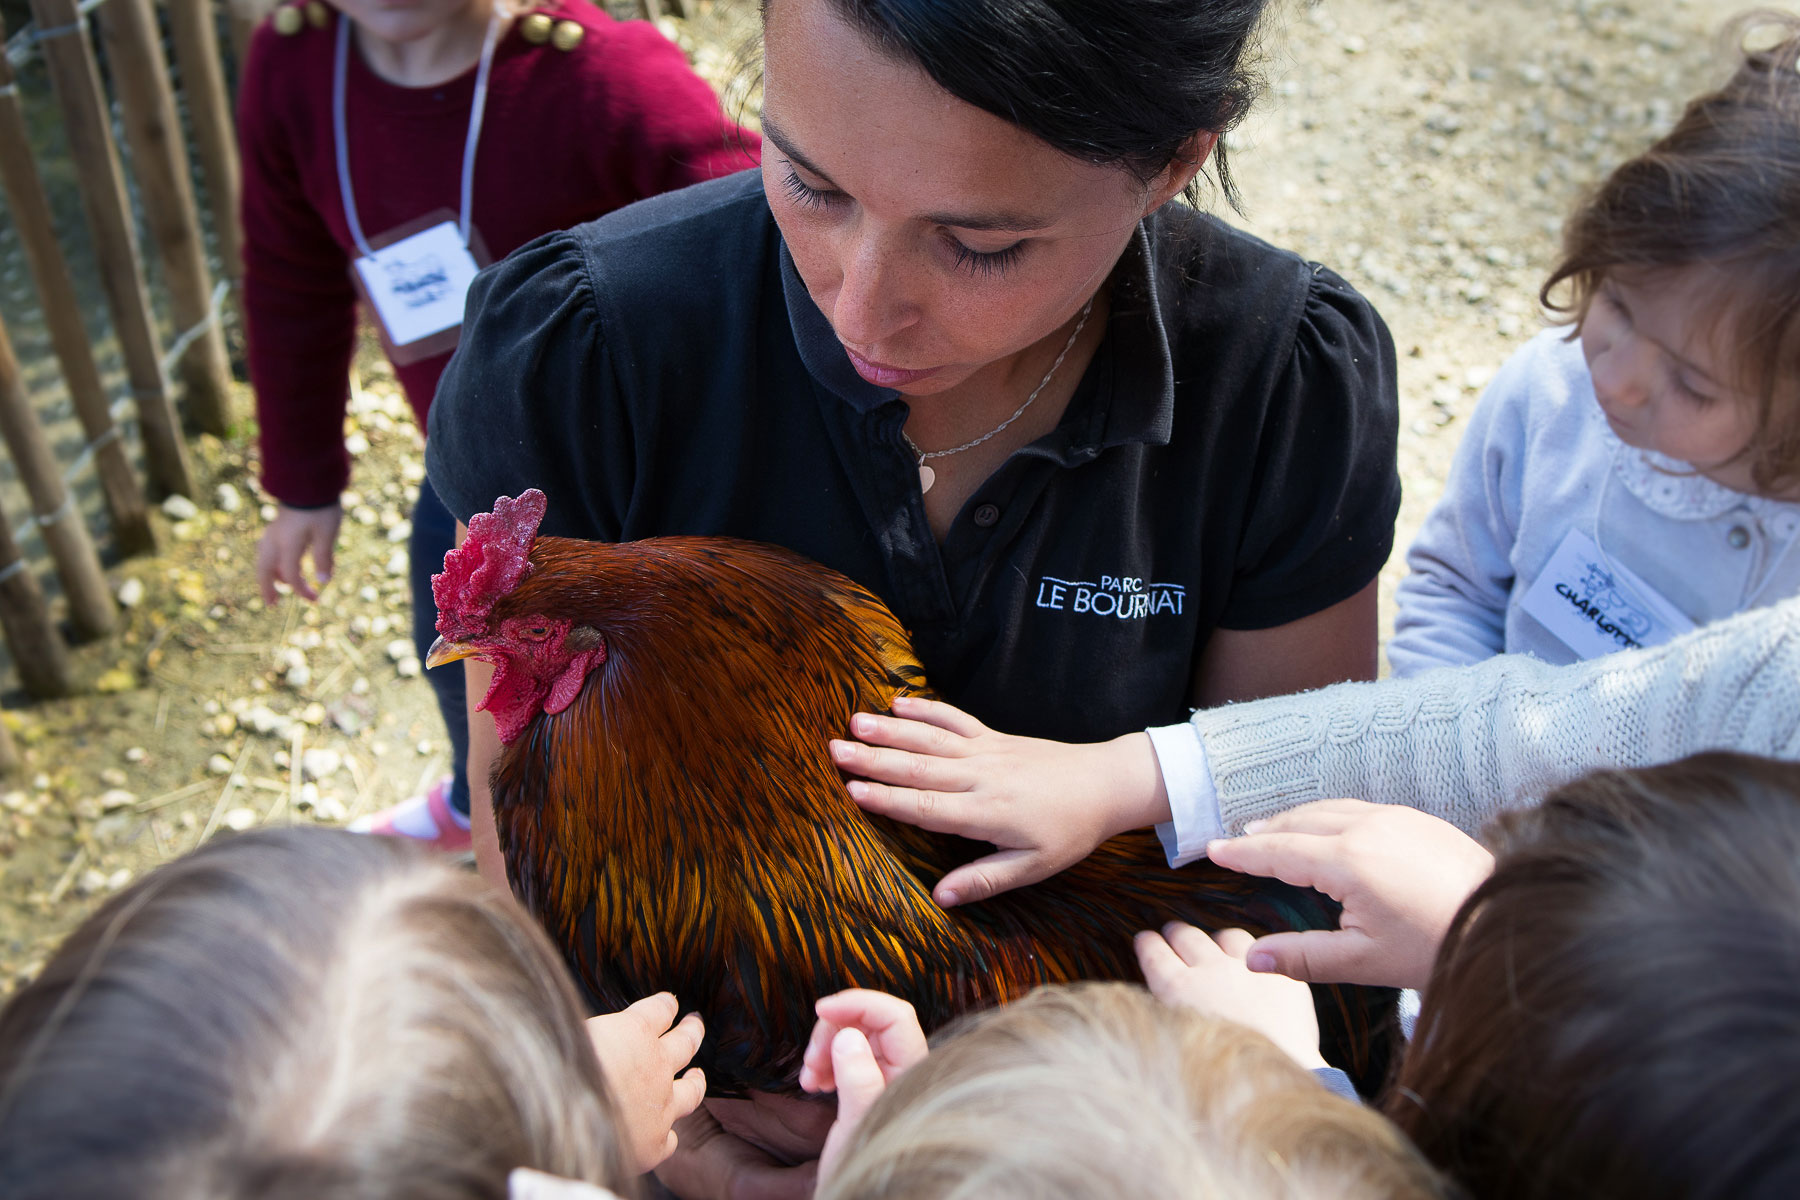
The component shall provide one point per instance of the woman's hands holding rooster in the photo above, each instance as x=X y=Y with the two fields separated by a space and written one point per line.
x=1045 y=805
x=644 y=1054
x=862 y=1042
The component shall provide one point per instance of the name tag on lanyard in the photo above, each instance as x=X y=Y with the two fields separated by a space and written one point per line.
x=416 y=280
x=1594 y=606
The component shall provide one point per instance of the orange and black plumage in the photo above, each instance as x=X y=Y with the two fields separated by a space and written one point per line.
x=667 y=806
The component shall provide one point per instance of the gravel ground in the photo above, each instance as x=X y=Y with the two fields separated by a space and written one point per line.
x=1427 y=151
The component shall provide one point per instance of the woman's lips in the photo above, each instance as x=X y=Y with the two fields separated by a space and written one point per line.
x=882 y=375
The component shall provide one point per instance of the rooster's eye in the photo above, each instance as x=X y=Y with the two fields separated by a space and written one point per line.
x=538 y=633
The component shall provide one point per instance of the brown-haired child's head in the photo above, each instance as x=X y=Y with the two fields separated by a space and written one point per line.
x=294 y=1013
x=1713 y=210
x=1616 y=1011
x=1099 y=1090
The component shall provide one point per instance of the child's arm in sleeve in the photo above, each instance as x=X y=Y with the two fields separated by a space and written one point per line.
x=1452 y=604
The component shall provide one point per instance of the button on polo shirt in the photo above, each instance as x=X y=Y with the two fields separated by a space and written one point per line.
x=1227 y=457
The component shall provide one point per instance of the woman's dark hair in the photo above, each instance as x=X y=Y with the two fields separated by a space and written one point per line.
x=1721 y=189
x=301 y=1013
x=1116 y=82
x=1616 y=1011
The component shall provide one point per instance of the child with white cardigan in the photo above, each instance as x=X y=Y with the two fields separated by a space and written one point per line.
x=1634 y=475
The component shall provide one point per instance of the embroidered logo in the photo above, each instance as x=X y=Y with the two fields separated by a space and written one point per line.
x=1122 y=597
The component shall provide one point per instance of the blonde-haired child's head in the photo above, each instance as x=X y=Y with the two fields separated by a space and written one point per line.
x=1682 y=270
x=300 y=1012
x=1099 y=1090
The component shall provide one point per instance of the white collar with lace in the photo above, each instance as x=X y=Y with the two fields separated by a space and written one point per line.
x=1671 y=488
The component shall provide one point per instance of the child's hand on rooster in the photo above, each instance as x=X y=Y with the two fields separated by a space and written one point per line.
x=1400 y=874
x=862 y=1042
x=643 y=1057
x=1044 y=804
x=1185 y=968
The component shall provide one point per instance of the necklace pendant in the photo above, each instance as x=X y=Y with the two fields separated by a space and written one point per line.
x=927 y=477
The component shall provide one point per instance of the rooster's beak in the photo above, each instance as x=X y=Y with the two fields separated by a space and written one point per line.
x=442 y=652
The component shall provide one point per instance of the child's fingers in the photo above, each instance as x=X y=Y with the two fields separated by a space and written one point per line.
x=1192 y=944
x=866 y=1008
x=815 y=1064
x=1314 y=955
x=859 y=1077
x=324 y=552
x=902 y=768
x=1235 y=942
x=688 y=1092
x=680 y=1044
x=936 y=712
x=985 y=878
x=657 y=1011
x=1302 y=859
x=929 y=808
x=903 y=733
x=1315 y=816
x=1157 y=960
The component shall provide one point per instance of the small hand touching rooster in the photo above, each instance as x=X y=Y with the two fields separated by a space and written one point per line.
x=1044 y=805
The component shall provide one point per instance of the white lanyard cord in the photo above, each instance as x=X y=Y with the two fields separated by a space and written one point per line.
x=341 y=67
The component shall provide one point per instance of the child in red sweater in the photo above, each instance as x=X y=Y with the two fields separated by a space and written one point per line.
x=390 y=148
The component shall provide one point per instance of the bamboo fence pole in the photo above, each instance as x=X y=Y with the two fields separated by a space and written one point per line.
x=76 y=81
x=209 y=113
x=37 y=648
x=92 y=610
x=160 y=164
x=30 y=210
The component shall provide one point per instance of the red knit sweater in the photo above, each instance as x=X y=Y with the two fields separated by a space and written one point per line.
x=568 y=135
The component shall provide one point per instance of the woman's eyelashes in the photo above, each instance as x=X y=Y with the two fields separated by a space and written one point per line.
x=986 y=262
x=965 y=258
x=803 y=193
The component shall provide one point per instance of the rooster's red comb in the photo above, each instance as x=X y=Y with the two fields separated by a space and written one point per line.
x=488 y=565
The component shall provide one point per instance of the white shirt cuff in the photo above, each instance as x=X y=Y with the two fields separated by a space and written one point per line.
x=1193 y=797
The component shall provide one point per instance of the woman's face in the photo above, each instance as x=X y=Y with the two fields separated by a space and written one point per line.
x=937 y=238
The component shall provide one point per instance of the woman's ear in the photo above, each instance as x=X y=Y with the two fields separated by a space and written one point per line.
x=1181 y=171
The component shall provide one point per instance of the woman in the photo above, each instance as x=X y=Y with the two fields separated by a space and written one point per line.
x=1103 y=456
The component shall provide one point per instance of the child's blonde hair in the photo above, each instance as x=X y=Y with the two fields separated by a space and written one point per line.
x=299 y=1013
x=1098 y=1090
x=1721 y=189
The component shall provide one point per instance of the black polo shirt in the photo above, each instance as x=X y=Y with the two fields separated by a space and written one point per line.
x=1227 y=460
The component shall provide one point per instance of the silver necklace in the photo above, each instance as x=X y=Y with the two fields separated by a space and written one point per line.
x=927 y=476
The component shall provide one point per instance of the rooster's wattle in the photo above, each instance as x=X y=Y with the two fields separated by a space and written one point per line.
x=668 y=808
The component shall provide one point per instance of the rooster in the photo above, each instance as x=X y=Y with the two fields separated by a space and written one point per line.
x=668 y=809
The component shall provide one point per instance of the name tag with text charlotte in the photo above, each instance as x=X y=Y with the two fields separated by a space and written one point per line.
x=1595 y=606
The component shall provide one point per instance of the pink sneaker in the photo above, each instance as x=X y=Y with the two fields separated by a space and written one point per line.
x=425 y=818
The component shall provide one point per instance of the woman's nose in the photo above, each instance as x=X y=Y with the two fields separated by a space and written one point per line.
x=872 y=301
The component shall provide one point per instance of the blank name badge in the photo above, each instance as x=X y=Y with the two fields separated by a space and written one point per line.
x=417 y=285
x=1595 y=606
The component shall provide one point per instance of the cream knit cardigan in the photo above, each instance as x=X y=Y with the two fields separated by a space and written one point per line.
x=1465 y=742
